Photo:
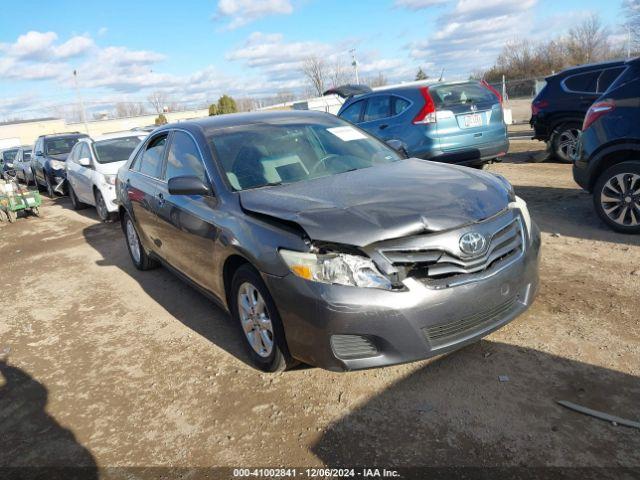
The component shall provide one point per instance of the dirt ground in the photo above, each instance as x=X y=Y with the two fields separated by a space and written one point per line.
x=105 y=365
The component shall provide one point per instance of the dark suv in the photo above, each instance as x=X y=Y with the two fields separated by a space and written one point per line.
x=608 y=157
x=48 y=162
x=326 y=245
x=558 y=110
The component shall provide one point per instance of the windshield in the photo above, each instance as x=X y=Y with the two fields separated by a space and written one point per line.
x=60 y=146
x=295 y=150
x=9 y=155
x=115 y=149
x=447 y=95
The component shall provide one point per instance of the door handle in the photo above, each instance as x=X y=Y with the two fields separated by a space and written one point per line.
x=382 y=127
x=161 y=200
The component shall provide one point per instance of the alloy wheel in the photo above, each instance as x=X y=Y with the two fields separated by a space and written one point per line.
x=620 y=199
x=568 y=143
x=103 y=213
x=255 y=320
x=132 y=240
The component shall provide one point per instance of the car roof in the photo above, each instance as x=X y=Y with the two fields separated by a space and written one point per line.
x=111 y=136
x=587 y=67
x=64 y=135
x=236 y=119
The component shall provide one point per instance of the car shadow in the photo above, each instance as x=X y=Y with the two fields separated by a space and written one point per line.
x=179 y=299
x=490 y=404
x=32 y=442
x=569 y=212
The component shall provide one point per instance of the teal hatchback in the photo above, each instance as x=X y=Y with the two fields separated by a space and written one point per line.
x=453 y=122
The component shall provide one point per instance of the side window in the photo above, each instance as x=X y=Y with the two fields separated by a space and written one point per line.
x=607 y=77
x=583 y=82
x=151 y=160
x=378 y=107
x=352 y=112
x=38 y=147
x=399 y=105
x=183 y=158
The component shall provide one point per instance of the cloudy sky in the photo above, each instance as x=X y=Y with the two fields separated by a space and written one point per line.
x=199 y=49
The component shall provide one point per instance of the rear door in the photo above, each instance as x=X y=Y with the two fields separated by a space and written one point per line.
x=187 y=229
x=83 y=176
x=142 y=185
x=468 y=114
x=377 y=112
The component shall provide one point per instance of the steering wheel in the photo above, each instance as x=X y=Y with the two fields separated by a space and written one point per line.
x=323 y=162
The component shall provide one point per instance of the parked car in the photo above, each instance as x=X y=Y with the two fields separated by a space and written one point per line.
x=557 y=112
x=454 y=122
x=92 y=166
x=48 y=162
x=608 y=157
x=7 y=158
x=22 y=164
x=326 y=245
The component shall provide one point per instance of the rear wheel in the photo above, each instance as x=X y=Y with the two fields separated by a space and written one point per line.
x=12 y=216
x=565 y=141
x=139 y=256
x=75 y=203
x=616 y=197
x=255 y=311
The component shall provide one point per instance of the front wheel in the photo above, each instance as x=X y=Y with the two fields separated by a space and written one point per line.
x=50 y=191
x=616 y=197
x=139 y=256
x=255 y=311
x=565 y=142
x=101 y=208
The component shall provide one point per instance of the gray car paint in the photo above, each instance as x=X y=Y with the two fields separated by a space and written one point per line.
x=311 y=312
x=387 y=201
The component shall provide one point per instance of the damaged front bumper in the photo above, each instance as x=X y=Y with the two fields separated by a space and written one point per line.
x=346 y=328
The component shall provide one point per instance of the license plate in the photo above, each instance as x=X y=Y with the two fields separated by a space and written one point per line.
x=473 y=120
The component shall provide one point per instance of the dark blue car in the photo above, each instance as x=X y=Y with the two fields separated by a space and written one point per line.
x=608 y=154
x=454 y=122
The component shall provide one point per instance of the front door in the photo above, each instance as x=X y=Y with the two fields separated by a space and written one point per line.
x=187 y=229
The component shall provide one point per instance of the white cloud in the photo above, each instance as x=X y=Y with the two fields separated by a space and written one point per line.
x=418 y=4
x=74 y=47
x=474 y=33
x=242 y=12
x=31 y=45
x=102 y=31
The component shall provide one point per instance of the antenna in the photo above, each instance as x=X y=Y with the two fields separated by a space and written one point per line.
x=441 y=74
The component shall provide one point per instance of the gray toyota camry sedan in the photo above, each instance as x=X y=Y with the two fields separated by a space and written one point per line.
x=326 y=245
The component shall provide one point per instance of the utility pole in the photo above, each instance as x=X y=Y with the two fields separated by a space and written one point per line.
x=355 y=64
x=83 y=115
x=628 y=41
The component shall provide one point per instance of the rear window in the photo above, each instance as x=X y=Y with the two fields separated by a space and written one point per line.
x=115 y=149
x=447 y=95
x=60 y=146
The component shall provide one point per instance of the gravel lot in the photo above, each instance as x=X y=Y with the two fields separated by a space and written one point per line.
x=105 y=365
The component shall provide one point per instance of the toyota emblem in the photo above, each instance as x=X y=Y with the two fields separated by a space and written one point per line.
x=473 y=243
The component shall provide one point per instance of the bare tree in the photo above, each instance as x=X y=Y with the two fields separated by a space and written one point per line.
x=631 y=9
x=158 y=101
x=339 y=74
x=587 y=42
x=129 y=109
x=378 y=81
x=315 y=71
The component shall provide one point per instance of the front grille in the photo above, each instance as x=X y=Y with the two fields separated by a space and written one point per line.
x=352 y=346
x=444 y=260
x=444 y=332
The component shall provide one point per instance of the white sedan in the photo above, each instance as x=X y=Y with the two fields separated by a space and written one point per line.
x=92 y=166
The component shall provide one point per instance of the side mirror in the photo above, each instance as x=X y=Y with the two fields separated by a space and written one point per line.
x=38 y=153
x=188 y=186
x=398 y=146
x=85 y=162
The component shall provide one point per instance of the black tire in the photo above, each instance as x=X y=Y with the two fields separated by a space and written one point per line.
x=75 y=203
x=142 y=261
x=630 y=172
x=101 y=207
x=36 y=212
x=50 y=191
x=564 y=141
x=12 y=216
x=279 y=359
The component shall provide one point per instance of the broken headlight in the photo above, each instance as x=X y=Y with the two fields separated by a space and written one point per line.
x=57 y=165
x=336 y=268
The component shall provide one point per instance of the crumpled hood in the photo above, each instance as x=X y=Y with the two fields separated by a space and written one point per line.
x=387 y=201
